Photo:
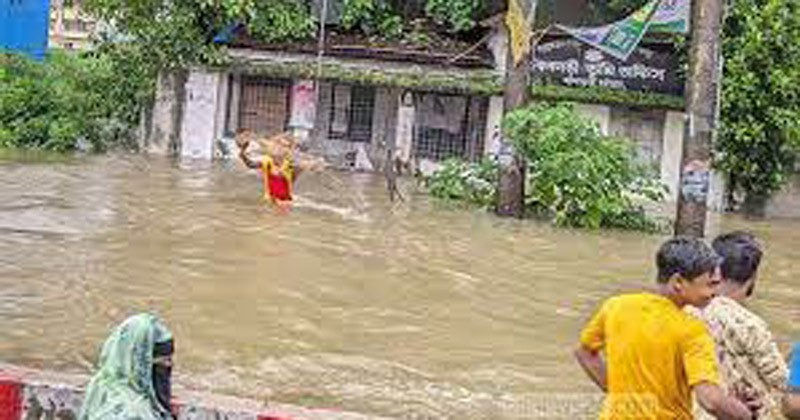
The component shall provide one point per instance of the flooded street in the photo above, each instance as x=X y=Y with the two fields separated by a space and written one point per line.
x=410 y=310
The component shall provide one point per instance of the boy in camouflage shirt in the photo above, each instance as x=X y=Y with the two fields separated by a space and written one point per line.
x=749 y=360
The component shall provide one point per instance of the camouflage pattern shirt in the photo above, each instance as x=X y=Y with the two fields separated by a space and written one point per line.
x=749 y=359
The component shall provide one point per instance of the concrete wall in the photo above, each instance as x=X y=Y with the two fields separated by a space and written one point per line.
x=303 y=109
x=201 y=124
x=193 y=112
x=166 y=118
x=671 y=141
x=599 y=113
x=672 y=153
x=34 y=395
x=786 y=203
x=189 y=114
x=498 y=45
x=670 y=159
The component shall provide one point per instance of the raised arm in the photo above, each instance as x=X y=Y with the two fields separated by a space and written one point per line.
x=250 y=163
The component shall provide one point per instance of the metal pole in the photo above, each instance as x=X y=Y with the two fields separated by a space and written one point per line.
x=702 y=96
x=323 y=15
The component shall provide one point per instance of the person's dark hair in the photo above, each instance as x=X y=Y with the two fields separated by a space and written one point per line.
x=685 y=256
x=741 y=256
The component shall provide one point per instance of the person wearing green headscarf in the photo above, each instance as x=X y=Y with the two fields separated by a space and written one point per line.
x=133 y=377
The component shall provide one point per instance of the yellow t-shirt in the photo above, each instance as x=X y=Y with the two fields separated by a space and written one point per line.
x=655 y=353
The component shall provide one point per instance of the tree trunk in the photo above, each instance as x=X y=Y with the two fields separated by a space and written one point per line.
x=511 y=187
x=511 y=193
x=702 y=92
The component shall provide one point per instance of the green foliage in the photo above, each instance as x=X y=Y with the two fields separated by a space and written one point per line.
x=576 y=176
x=128 y=83
x=760 y=136
x=373 y=18
x=52 y=105
x=474 y=183
x=173 y=32
x=179 y=34
x=455 y=15
x=280 y=20
x=607 y=96
x=483 y=82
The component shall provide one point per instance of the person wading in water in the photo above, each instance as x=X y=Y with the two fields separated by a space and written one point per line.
x=280 y=166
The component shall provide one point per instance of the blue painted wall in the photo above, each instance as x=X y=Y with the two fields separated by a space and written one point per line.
x=24 y=26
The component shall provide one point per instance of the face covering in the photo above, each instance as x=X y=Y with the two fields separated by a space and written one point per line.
x=162 y=375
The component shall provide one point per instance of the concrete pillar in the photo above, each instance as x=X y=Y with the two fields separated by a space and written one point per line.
x=199 y=125
x=493 y=132
x=384 y=116
x=164 y=138
x=323 y=115
x=235 y=102
x=672 y=150
x=404 y=128
x=498 y=45
x=303 y=109
x=599 y=113
x=223 y=96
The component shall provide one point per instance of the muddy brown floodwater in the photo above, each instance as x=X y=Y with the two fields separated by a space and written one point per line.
x=409 y=310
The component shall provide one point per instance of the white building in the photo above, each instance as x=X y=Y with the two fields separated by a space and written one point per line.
x=70 y=27
x=358 y=107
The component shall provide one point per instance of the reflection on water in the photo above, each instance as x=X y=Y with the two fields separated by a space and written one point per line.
x=405 y=309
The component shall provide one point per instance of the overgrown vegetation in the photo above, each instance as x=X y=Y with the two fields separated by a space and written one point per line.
x=96 y=98
x=456 y=15
x=372 y=18
x=576 y=176
x=181 y=33
x=67 y=101
x=277 y=20
x=759 y=140
x=474 y=183
x=607 y=96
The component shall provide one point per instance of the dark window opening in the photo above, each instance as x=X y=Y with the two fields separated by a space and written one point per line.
x=449 y=126
x=352 y=111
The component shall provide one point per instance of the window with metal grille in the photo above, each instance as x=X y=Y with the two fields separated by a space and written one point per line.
x=352 y=108
x=449 y=126
x=264 y=105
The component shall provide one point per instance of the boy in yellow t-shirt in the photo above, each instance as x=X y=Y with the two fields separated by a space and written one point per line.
x=655 y=354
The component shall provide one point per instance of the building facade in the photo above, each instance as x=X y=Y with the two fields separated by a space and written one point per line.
x=367 y=113
x=357 y=112
x=70 y=28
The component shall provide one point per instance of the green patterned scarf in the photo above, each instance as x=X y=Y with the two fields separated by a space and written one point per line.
x=122 y=388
